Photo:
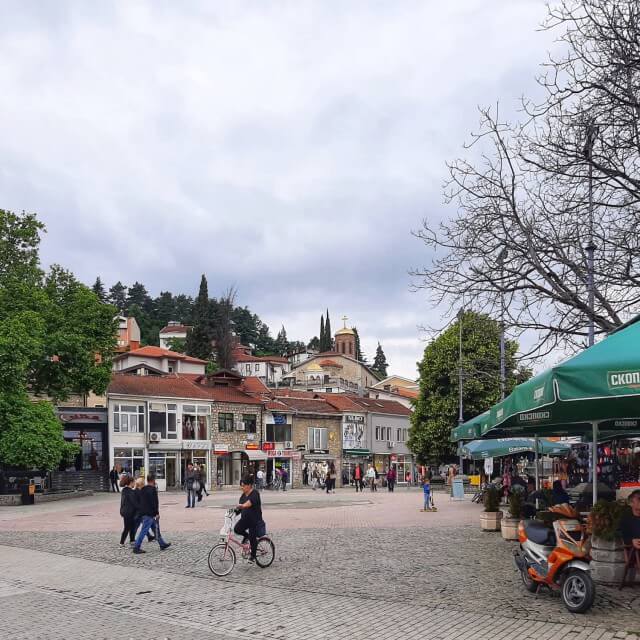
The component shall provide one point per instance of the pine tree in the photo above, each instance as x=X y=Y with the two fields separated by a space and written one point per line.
x=282 y=344
x=328 y=335
x=380 y=363
x=323 y=340
x=98 y=289
x=137 y=295
x=360 y=357
x=118 y=296
x=199 y=338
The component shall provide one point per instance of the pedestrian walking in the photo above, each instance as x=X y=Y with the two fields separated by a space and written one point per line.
x=114 y=478
x=407 y=479
x=139 y=486
x=150 y=511
x=357 y=477
x=128 y=509
x=426 y=493
x=334 y=475
x=391 y=479
x=327 y=480
x=284 y=477
x=190 y=486
x=371 y=478
x=305 y=475
x=315 y=478
x=260 y=478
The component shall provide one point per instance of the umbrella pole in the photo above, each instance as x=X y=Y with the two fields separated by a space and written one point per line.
x=594 y=460
x=537 y=462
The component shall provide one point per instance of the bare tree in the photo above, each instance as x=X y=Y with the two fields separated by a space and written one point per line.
x=522 y=224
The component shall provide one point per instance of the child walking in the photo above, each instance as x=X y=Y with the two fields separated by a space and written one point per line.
x=426 y=493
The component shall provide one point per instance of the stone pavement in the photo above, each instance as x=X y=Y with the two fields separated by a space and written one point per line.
x=430 y=580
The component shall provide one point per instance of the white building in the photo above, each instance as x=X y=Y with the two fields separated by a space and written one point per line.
x=269 y=369
x=174 y=330
x=159 y=360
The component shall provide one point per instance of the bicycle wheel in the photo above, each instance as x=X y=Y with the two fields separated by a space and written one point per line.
x=265 y=553
x=222 y=559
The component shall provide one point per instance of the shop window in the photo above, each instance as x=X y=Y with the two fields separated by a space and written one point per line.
x=250 y=422
x=318 y=438
x=163 y=420
x=278 y=432
x=129 y=460
x=195 y=419
x=128 y=418
x=225 y=422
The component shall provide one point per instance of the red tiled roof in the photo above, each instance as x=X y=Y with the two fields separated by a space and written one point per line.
x=286 y=392
x=174 y=385
x=304 y=405
x=176 y=328
x=329 y=363
x=170 y=385
x=341 y=401
x=242 y=357
x=405 y=393
x=158 y=352
x=251 y=384
x=382 y=406
x=276 y=405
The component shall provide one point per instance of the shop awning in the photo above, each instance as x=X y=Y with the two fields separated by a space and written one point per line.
x=255 y=454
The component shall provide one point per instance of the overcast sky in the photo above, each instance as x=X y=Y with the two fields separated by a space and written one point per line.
x=286 y=148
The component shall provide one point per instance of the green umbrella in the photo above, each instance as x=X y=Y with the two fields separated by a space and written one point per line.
x=597 y=389
x=470 y=429
x=500 y=447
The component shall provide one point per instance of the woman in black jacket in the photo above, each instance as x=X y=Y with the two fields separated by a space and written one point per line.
x=128 y=509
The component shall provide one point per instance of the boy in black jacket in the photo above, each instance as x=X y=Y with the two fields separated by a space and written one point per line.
x=150 y=510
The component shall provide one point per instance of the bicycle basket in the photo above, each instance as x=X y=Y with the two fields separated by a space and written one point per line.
x=230 y=519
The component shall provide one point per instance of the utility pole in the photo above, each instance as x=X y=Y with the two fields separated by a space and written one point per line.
x=592 y=132
x=501 y=258
x=460 y=379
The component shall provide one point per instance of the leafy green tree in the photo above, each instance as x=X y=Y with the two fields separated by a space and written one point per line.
x=360 y=357
x=246 y=326
x=177 y=344
x=380 y=363
x=118 y=296
x=314 y=343
x=137 y=295
x=183 y=309
x=436 y=409
x=265 y=345
x=98 y=289
x=282 y=344
x=199 y=339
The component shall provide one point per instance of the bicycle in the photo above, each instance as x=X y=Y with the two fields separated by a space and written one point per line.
x=222 y=557
x=276 y=484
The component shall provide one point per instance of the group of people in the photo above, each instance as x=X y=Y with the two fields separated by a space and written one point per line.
x=140 y=511
x=194 y=484
x=320 y=475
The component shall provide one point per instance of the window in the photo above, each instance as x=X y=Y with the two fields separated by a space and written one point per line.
x=128 y=418
x=225 y=422
x=163 y=420
x=399 y=436
x=378 y=433
x=195 y=421
x=318 y=438
x=250 y=420
x=278 y=432
x=247 y=368
x=172 y=366
x=129 y=460
x=257 y=368
x=388 y=433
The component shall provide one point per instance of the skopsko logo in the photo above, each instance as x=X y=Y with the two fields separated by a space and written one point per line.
x=623 y=379
x=538 y=393
x=534 y=416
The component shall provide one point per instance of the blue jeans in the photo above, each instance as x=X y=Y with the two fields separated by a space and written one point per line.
x=427 y=500
x=191 y=498
x=149 y=523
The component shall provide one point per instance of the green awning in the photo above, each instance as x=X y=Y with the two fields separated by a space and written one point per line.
x=500 y=447
x=601 y=384
x=469 y=430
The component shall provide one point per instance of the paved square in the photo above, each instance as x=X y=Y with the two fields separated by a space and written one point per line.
x=348 y=565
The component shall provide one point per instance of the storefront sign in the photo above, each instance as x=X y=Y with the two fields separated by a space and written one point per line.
x=319 y=451
x=284 y=453
x=279 y=418
x=268 y=446
x=197 y=444
x=353 y=433
x=82 y=415
x=221 y=448
x=251 y=446
x=301 y=447
x=349 y=418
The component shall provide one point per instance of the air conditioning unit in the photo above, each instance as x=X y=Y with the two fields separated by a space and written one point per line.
x=154 y=436
x=288 y=444
x=390 y=445
x=240 y=426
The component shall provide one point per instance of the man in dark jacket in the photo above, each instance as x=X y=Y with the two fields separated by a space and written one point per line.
x=149 y=509
x=113 y=477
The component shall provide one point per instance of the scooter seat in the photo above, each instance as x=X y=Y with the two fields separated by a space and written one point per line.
x=539 y=533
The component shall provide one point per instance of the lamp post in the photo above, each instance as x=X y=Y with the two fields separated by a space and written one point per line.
x=460 y=380
x=501 y=258
x=592 y=132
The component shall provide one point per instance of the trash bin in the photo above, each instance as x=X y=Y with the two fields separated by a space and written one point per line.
x=27 y=493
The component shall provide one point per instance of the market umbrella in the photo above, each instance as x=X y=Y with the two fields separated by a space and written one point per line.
x=469 y=430
x=598 y=389
x=500 y=447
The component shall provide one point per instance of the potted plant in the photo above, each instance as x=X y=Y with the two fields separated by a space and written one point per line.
x=607 y=548
x=509 y=525
x=491 y=516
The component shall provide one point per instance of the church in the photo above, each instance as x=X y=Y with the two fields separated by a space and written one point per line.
x=336 y=371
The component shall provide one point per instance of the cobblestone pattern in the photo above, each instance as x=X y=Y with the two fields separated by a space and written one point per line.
x=456 y=570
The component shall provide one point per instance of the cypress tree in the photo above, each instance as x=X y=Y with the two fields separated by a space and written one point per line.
x=198 y=342
x=328 y=334
x=360 y=357
x=322 y=334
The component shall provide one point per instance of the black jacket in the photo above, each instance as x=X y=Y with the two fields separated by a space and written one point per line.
x=128 y=503
x=148 y=501
x=113 y=475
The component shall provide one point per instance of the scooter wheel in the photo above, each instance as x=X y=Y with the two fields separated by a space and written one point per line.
x=529 y=584
x=578 y=590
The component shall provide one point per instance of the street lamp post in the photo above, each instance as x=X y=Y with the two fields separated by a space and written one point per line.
x=460 y=379
x=592 y=132
x=501 y=258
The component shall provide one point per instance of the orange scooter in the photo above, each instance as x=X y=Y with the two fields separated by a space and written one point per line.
x=557 y=558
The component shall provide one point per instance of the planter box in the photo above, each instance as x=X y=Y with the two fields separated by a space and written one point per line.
x=509 y=528
x=607 y=562
x=490 y=521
